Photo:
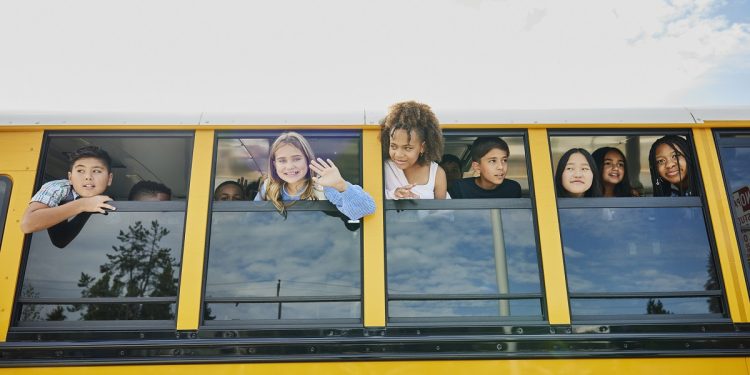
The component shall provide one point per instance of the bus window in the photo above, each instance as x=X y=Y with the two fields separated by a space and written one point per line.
x=637 y=256
x=267 y=268
x=5 y=186
x=123 y=266
x=465 y=259
x=734 y=149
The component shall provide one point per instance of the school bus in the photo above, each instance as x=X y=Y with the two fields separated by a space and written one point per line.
x=537 y=284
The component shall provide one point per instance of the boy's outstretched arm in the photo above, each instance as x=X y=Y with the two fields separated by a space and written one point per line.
x=39 y=216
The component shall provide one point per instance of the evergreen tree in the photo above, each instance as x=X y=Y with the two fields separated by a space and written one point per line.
x=139 y=267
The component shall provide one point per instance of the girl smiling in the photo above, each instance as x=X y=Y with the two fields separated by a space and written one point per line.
x=291 y=165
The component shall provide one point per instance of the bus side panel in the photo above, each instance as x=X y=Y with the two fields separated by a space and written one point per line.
x=19 y=158
x=677 y=366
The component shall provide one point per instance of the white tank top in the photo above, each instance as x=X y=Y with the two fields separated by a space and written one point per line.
x=395 y=178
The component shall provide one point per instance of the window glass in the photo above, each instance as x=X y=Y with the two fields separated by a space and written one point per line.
x=735 y=153
x=637 y=257
x=263 y=267
x=124 y=265
x=465 y=259
x=5 y=186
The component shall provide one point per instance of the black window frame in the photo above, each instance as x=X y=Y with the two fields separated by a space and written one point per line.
x=209 y=326
x=471 y=204
x=102 y=328
x=725 y=138
x=4 y=201
x=644 y=202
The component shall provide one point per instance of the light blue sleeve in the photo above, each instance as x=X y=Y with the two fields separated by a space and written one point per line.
x=354 y=202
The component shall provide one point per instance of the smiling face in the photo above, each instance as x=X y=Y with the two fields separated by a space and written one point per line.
x=671 y=164
x=89 y=177
x=613 y=168
x=492 y=168
x=405 y=152
x=291 y=165
x=577 y=176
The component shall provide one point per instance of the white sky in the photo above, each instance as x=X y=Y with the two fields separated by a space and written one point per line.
x=347 y=55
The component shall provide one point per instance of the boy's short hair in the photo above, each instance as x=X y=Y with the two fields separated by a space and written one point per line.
x=482 y=145
x=90 y=152
x=148 y=188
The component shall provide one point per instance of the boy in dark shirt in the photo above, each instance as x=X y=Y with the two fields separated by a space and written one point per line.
x=489 y=157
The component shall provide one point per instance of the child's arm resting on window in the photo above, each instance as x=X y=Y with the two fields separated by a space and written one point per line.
x=39 y=216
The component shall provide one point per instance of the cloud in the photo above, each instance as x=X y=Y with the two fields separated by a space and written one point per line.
x=341 y=55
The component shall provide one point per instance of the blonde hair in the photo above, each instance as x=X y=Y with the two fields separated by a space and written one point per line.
x=274 y=183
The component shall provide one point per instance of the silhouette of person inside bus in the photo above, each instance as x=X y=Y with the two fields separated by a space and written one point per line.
x=671 y=162
x=412 y=145
x=451 y=164
x=149 y=191
x=63 y=206
x=229 y=191
x=575 y=176
x=489 y=158
x=614 y=177
x=250 y=188
x=291 y=165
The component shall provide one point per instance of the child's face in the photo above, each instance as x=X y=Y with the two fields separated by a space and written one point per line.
x=613 y=168
x=671 y=164
x=89 y=177
x=229 y=192
x=403 y=152
x=492 y=168
x=291 y=164
x=577 y=176
x=452 y=171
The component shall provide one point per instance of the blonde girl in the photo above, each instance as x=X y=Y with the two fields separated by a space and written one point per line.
x=412 y=145
x=291 y=165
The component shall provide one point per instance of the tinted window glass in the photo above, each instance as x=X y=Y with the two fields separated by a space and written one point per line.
x=623 y=250
x=118 y=255
x=637 y=257
x=263 y=267
x=5 y=186
x=121 y=266
x=735 y=153
x=465 y=259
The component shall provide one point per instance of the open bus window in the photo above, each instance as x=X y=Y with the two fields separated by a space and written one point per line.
x=637 y=258
x=267 y=268
x=5 y=186
x=123 y=266
x=459 y=145
x=734 y=149
x=465 y=259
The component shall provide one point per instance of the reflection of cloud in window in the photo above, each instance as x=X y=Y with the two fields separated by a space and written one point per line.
x=637 y=249
x=311 y=253
x=448 y=254
x=55 y=272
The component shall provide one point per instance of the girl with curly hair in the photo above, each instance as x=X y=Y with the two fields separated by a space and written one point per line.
x=412 y=145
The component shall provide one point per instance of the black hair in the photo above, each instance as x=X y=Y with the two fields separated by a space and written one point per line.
x=623 y=188
x=681 y=147
x=450 y=158
x=482 y=145
x=596 y=187
x=148 y=188
x=90 y=152
x=226 y=183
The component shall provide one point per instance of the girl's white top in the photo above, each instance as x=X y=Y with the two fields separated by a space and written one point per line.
x=395 y=178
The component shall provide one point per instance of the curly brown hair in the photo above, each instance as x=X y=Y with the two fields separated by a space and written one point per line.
x=418 y=118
